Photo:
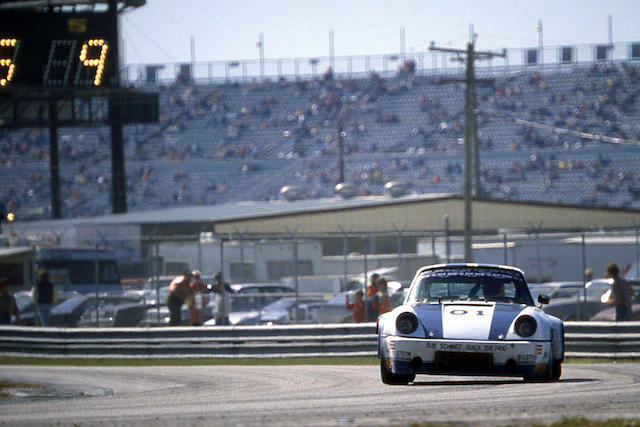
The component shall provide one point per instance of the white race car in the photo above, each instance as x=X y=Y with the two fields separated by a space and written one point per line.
x=469 y=319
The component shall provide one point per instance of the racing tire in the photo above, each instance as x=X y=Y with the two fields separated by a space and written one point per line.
x=556 y=371
x=390 y=378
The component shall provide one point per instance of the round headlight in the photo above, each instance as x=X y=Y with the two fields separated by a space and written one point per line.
x=406 y=322
x=526 y=326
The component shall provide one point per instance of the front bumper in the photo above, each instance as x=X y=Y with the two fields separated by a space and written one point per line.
x=465 y=357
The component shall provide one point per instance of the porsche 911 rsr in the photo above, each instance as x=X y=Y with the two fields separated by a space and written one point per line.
x=469 y=319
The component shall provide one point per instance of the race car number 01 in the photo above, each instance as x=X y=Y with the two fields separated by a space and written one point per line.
x=460 y=312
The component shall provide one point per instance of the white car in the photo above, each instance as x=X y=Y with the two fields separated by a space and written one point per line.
x=469 y=319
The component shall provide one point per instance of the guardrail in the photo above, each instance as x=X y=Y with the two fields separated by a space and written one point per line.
x=582 y=339
x=325 y=340
x=617 y=340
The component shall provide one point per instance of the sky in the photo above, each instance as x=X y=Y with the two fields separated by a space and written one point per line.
x=226 y=30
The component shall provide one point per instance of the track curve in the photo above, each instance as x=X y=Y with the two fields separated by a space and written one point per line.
x=315 y=395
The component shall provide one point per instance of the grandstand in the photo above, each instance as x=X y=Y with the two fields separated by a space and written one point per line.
x=565 y=135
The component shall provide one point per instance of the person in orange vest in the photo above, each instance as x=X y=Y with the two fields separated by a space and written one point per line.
x=199 y=299
x=381 y=301
x=357 y=305
x=372 y=289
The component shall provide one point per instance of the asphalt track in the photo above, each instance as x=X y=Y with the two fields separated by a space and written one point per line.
x=309 y=395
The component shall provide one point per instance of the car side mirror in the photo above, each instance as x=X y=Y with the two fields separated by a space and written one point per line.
x=543 y=299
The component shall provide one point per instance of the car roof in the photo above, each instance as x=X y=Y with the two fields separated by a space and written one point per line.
x=236 y=287
x=470 y=265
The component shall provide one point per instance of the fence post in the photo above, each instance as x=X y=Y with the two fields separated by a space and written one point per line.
x=366 y=273
x=506 y=249
x=584 y=277
x=637 y=251
x=295 y=271
x=447 y=237
x=155 y=273
x=96 y=277
x=345 y=252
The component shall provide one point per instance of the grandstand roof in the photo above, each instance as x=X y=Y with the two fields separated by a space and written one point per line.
x=360 y=215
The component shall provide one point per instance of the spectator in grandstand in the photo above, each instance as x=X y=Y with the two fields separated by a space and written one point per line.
x=621 y=293
x=8 y=306
x=179 y=292
x=44 y=295
x=198 y=300
x=357 y=306
x=222 y=300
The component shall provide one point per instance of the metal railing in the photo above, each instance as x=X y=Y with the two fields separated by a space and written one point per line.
x=551 y=58
x=615 y=340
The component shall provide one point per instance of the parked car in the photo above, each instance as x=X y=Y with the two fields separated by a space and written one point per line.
x=113 y=310
x=583 y=305
x=65 y=312
x=556 y=289
x=245 y=297
x=278 y=312
x=469 y=319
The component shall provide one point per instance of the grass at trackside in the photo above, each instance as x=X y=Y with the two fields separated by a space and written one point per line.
x=188 y=362
x=565 y=422
x=584 y=422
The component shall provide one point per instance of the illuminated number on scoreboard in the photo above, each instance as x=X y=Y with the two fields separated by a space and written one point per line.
x=92 y=55
x=8 y=62
x=59 y=63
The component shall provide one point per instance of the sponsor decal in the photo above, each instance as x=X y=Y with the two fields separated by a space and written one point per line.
x=468 y=347
x=403 y=355
x=526 y=357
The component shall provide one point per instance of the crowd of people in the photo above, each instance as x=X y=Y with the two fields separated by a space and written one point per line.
x=411 y=116
x=188 y=288
x=368 y=306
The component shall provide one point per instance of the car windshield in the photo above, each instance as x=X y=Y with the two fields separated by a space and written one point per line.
x=470 y=283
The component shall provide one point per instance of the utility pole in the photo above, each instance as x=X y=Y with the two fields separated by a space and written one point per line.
x=468 y=56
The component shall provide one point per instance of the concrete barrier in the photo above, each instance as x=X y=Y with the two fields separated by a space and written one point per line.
x=582 y=339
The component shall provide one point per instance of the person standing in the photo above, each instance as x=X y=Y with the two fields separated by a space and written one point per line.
x=179 y=292
x=357 y=305
x=621 y=293
x=200 y=299
x=222 y=302
x=372 y=289
x=45 y=296
x=8 y=306
x=382 y=303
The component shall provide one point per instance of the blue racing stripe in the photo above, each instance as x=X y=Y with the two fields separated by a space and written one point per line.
x=503 y=316
x=430 y=316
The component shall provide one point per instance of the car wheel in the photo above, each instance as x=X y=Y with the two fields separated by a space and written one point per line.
x=390 y=378
x=556 y=371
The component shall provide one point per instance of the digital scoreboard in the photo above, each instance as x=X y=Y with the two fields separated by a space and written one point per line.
x=57 y=50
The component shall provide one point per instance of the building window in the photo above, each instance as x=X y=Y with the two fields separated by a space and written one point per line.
x=566 y=54
x=242 y=272
x=602 y=52
x=276 y=270
x=635 y=51
x=531 y=56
